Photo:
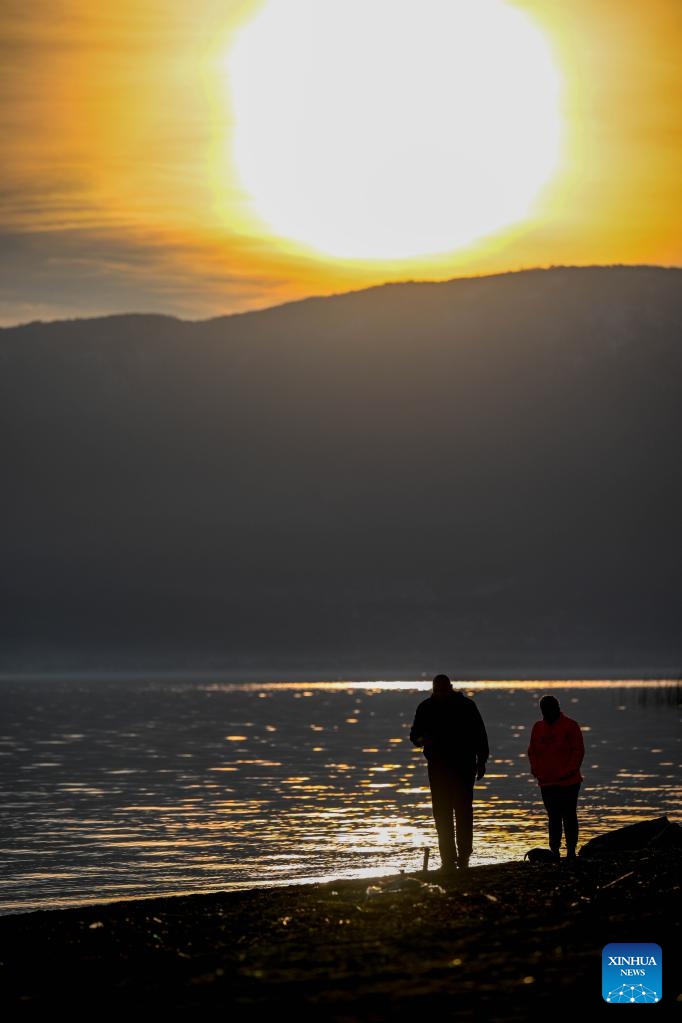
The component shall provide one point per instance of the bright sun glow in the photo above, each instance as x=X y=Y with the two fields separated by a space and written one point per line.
x=392 y=128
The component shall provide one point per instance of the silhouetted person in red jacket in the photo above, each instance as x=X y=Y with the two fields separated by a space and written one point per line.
x=449 y=727
x=556 y=752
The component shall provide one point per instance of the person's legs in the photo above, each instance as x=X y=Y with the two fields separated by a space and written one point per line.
x=441 y=802
x=552 y=798
x=463 y=793
x=569 y=816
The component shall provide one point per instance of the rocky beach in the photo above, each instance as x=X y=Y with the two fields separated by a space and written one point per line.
x=506 y=942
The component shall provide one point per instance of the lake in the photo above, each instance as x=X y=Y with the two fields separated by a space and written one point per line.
x=131 y=789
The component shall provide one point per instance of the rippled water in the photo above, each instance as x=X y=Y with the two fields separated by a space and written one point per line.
x=114 y=790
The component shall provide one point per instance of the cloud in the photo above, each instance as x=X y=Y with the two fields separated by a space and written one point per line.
x=64 y=273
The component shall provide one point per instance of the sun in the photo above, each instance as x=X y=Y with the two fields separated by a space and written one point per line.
x=388 y=129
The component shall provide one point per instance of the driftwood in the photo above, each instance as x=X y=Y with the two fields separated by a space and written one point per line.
x=658 y=833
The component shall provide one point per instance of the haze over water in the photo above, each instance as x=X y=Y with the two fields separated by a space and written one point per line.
x=129 y=789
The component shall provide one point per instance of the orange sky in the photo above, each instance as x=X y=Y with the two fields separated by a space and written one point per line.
x=119 y=192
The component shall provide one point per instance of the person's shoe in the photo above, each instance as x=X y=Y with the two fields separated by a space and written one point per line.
x=447 y=869
x=463 y=863
x=556 y=854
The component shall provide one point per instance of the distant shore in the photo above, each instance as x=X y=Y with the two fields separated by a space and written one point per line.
x=498 y=942
x=352 y=677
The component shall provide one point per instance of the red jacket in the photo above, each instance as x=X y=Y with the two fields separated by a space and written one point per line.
x=556 y=751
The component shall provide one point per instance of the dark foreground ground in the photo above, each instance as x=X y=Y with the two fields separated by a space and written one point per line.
x=503 y=942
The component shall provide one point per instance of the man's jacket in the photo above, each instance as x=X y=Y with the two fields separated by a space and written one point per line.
x=451 y=730
x=556 y=751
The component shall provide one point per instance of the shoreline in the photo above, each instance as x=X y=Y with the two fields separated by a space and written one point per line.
x=495 y=942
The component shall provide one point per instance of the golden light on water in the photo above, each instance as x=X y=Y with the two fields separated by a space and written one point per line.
x=221 y=805
x=421 y=685
x=366 y=132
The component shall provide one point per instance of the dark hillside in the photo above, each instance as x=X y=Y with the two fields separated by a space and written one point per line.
x=479 y=476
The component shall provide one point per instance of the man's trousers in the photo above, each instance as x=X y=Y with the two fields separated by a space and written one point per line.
x=452 y=796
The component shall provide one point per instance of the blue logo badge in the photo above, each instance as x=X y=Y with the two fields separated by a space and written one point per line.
x=631 y=973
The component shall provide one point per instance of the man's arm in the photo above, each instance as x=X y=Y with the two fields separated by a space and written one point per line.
x=417 y=737
x=482 y=747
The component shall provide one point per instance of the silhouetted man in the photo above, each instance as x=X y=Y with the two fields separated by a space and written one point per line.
x=555 y=753
x=449 y=727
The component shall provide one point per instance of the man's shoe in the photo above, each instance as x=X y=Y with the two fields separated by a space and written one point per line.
x=463 y=863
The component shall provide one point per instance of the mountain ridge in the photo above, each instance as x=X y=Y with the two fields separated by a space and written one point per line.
x=482 y=470
x=408 y=282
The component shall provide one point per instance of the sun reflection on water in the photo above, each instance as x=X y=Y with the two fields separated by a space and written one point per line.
x=206 y=787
